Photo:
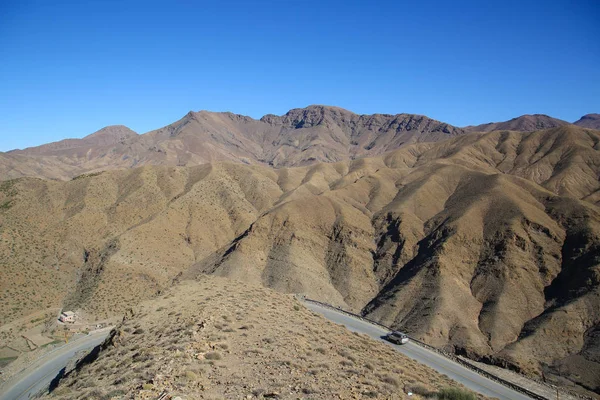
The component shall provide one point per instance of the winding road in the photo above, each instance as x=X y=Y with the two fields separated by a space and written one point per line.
x=39 y=375
x=454 y=371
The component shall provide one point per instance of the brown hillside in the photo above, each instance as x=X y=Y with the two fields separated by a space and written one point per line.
x=108 y=136
x=524 y=123
x=486 y=244
x=300 y=137
x=590 y=121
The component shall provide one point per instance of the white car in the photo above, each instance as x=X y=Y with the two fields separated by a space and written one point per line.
x=397 y=337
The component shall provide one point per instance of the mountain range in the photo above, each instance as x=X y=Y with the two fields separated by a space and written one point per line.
x=300 y=137
x=486 y=244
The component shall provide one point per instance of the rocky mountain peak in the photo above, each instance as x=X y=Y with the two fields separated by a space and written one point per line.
x=112 y=133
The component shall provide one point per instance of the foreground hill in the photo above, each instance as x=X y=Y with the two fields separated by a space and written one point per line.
x=300 y=137
x=217 y=338
x=485 y=244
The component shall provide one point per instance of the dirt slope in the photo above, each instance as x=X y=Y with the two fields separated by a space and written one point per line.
x=300 y=137
x=486 y=244
x=218 y=338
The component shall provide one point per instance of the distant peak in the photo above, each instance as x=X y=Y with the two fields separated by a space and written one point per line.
x=534 y=116
x=322 y=107
x=523 y=123
x=590 y=121
x=207 y=113
x=313 y=108
x=113 y=131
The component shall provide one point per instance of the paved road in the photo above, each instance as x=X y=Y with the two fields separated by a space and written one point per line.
x=41 y=373
x=457 y=372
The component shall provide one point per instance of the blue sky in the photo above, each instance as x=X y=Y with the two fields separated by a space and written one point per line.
x=68 y=69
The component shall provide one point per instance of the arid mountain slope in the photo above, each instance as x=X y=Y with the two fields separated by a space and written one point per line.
x=563 y=160
x=486 y=243
x=67 y=158
x=350 y=134
x=300 y=137
x=108 y=136
x=590 y=121
x=219 y=338
x=524 y=123
x=482 y=262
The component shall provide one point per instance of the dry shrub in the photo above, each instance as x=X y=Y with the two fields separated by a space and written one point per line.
x=455 y=394
x=191 y=375
x=213 y=355
x=421 y=391
x=390 y=380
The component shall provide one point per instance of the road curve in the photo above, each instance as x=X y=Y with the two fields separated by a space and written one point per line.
x=41 y=373
x=35 y=377
x=441 y=364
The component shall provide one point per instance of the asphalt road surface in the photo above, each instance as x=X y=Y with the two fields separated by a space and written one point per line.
x=441 y=364
x=39 y=375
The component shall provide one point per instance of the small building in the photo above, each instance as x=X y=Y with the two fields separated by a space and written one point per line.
x=67 y=316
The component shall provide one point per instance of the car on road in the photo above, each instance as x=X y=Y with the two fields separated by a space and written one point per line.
x=396 y=337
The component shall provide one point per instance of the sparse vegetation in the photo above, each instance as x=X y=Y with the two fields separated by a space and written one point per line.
x=191 y=376
x=6 y=205
x=455 y=394
x=270 y=360
x=8 y=188
x=89 y=175
x=54 y=342
x=213 y=356
x=6 y=360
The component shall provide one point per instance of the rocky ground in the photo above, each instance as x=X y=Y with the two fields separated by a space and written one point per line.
x=217 y=338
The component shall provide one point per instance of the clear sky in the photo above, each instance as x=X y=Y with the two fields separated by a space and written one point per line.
x=69 y=68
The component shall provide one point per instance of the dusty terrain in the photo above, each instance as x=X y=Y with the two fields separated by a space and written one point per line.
x=217 y=338
x=485 y=244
